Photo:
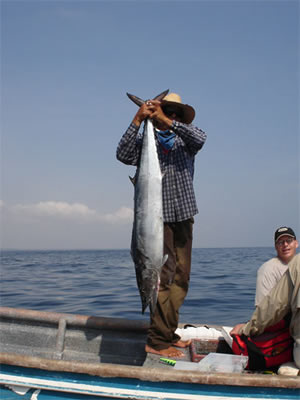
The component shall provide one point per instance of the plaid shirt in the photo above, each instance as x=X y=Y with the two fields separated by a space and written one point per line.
x=177 y=167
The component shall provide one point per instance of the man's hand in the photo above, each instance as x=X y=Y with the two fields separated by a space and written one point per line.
x=152 y=109
x=144 y=112
x=160 y=119
x=236 y=330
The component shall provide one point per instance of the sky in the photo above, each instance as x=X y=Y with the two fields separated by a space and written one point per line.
x=65 y=69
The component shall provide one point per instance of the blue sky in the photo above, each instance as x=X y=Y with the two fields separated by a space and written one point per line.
x=65 y=70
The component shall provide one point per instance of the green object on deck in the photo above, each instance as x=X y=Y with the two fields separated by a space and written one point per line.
x=167 y=361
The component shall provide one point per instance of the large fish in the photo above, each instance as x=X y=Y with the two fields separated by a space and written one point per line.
x=147 y=242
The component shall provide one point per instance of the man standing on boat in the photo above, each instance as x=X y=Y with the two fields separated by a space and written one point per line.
x=178 y=141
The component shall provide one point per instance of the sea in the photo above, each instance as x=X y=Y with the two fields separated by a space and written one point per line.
x=103 y=283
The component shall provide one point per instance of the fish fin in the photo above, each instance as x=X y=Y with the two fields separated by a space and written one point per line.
x=153 y=300
x=152 y=306
x=165 y=259
x=161 y=95
x=132 y=180
x=136 y=99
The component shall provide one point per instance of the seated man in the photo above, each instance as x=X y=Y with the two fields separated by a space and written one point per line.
x=284 y=298
x=271 y=271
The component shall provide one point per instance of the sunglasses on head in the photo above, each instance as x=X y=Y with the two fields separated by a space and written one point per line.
x=169 y=111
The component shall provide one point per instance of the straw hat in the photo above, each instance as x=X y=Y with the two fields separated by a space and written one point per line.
x=173 y=99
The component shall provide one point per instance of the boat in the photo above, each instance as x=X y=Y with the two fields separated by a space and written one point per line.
x=48 y=355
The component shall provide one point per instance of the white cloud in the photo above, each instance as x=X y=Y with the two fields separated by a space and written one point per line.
x=63 y=225
x=73 y=211
x=54 y=209
x=123 y=214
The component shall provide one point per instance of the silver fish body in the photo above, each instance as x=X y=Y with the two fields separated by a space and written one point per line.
x=148 y=230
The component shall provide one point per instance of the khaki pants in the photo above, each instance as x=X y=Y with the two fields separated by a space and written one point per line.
x=174 y=284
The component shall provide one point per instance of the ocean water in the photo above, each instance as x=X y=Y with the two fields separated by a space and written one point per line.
x=103 y=283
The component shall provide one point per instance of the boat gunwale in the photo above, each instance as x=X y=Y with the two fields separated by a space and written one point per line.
x=74 y=320
x=106 y=370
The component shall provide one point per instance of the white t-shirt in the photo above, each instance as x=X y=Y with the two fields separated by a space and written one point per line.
x=267 y=277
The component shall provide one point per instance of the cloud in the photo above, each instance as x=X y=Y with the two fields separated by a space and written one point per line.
x=55 y=209
x=71 y=211
x=63 y=225
x=122 y=214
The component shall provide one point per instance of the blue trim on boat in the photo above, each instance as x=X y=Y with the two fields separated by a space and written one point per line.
x=7 y=394
x=143 y=386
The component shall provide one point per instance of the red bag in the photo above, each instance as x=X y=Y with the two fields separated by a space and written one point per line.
x=270 y=349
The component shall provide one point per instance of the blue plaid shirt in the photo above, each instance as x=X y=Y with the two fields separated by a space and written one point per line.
x=177 y=167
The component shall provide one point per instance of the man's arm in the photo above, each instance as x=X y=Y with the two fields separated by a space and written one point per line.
x=193 y=137
x=272 y=308
x=129 y=147
x=128 y=150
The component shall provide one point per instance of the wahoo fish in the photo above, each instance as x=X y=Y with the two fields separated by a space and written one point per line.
x=147 y=244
